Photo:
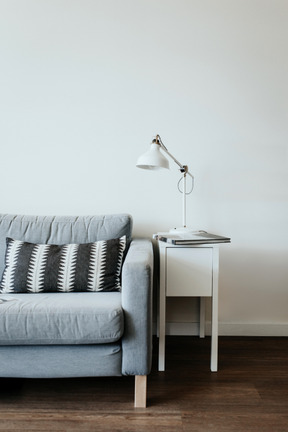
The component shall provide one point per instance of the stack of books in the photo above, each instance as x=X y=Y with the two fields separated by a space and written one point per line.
x=196 y=237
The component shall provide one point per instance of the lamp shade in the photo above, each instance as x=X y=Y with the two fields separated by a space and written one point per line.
x=153 y=159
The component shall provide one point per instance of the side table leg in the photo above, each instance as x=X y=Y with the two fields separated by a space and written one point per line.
x=162 y=310
x=214 y=320
x=162 y=331
x=202 y=318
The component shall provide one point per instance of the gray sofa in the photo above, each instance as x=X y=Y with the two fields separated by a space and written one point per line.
x=77 y=334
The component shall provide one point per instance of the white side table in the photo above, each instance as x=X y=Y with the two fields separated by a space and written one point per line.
x=189 y=271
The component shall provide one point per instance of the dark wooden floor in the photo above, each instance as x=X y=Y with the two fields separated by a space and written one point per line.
x=249 y=393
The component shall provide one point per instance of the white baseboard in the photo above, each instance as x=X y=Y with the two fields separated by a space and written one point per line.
x=228 y=329
x=252 y=329
x=183 y=329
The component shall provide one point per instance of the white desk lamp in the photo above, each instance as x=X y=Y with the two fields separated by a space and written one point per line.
x=153 y=159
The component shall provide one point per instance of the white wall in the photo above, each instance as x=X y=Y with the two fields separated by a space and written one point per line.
x=86 y=84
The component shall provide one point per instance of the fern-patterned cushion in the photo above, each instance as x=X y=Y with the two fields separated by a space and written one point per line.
x=35 y=268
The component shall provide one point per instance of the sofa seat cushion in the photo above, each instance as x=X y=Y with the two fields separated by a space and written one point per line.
x=58 y=318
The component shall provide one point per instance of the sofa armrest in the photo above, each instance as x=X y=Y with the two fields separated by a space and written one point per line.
x=137 y=286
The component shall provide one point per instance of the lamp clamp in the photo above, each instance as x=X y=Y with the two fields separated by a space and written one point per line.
x=184 y=169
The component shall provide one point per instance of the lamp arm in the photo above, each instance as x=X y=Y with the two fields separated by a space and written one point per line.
x=183 y=168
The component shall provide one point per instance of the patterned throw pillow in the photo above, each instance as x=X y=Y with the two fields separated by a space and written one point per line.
x=33 y=268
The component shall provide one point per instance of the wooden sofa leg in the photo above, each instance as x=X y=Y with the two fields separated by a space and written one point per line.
x=140 y=391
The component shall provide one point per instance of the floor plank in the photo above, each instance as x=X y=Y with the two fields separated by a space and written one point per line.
x=248 y=393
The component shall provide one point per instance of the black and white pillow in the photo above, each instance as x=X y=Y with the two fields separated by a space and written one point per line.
x=33 y=268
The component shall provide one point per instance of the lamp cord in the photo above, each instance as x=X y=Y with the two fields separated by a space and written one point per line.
x=181 y=191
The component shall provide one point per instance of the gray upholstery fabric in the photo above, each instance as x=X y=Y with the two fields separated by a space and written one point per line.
x=137 y=275
x=58 y=361
x=62 y=229
x=61 y=318
x=132 y=354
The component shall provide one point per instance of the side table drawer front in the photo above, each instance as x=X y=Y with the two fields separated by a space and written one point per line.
x=189 y=272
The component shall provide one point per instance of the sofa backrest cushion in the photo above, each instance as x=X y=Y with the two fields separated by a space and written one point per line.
x=62 y=229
